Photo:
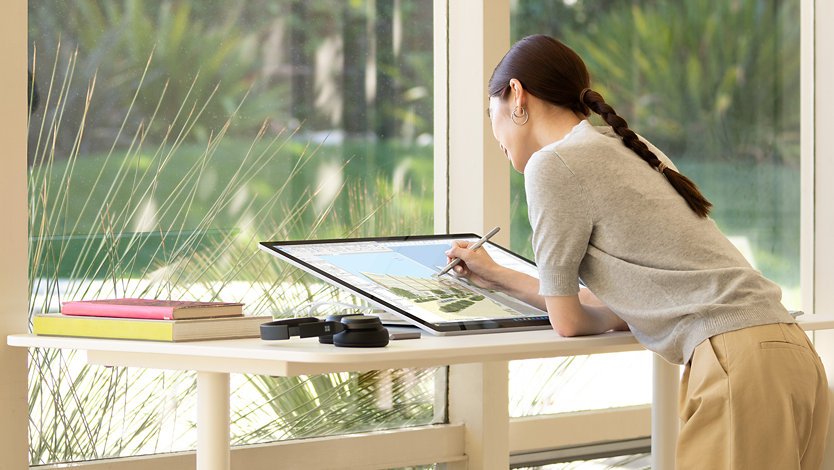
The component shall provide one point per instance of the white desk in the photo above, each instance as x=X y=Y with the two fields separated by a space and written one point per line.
x=214 y=360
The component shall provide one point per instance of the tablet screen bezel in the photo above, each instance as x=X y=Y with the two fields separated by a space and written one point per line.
x=448 y=327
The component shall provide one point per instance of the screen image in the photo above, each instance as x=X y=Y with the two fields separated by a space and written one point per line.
x=400 y=275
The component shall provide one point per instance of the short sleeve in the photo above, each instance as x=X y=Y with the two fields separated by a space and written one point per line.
x=562 y=222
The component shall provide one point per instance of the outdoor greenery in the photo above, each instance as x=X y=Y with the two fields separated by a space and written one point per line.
x=715 y=85
x=299 y=61
x=158 y=160
x=125 y=412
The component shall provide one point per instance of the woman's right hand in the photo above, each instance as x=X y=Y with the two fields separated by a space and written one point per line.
x=475 y=265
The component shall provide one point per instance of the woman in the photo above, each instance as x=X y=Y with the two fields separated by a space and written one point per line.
x=608 y=207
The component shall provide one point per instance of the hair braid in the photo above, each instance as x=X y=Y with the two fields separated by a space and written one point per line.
x=683 y=185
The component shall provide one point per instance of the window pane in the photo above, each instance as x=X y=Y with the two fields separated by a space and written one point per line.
x=577 y=383
x=624 y=462
x=715 y=85
x=167 y=139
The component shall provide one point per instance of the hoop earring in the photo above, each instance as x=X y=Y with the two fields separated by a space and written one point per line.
x=515 y=117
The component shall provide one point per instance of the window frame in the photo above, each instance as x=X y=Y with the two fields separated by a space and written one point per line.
x=14 y=445
x=474 y=37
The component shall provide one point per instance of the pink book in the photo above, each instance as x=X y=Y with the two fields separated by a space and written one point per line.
x=151 y=309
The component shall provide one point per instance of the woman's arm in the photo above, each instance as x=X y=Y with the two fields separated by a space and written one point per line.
x=572 y=315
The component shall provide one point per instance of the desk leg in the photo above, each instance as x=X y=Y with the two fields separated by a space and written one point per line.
x=478 y=398
x=665 y=421
x=213 y=421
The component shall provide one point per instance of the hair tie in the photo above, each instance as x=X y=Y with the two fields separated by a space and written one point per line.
x=582 y=94
x=660 y=167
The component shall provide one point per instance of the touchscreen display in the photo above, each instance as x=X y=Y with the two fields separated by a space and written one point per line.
x=400 y=275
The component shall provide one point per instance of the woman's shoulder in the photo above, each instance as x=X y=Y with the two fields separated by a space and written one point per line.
x=553 y=171
x=546 y=163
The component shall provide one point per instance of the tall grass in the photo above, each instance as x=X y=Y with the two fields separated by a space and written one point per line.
x=166 y=220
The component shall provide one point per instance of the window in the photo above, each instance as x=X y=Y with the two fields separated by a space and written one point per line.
x=715 y=85
x=580 y=13
x=169 y=138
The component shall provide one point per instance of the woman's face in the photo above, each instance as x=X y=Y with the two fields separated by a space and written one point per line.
x=510 y=136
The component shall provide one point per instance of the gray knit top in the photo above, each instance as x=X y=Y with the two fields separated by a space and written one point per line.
x=600 y=212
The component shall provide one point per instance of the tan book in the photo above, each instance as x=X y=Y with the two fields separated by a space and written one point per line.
x=56 y=324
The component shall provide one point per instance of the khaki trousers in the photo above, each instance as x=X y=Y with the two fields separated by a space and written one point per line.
x=756 y=399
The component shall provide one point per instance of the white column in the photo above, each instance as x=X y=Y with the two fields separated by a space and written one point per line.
x=665 y=421
x=822 y=296
x=213 y=421
x=478 y=398
x=469 y=162
x=14 y=444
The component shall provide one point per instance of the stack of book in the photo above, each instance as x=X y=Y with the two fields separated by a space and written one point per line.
x=160 y=320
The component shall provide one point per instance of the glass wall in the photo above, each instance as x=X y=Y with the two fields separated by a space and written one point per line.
x=165 y=140
x=715 y=85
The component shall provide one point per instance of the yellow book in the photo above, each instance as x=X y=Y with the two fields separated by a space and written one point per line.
x=157 y=330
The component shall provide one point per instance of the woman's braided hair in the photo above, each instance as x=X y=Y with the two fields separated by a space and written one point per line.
x=683 y=185
x=553 y=72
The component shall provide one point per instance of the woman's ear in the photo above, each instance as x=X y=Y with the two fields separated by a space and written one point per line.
x=519 y=94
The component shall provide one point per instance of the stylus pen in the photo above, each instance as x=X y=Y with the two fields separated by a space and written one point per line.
x=474 y=247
